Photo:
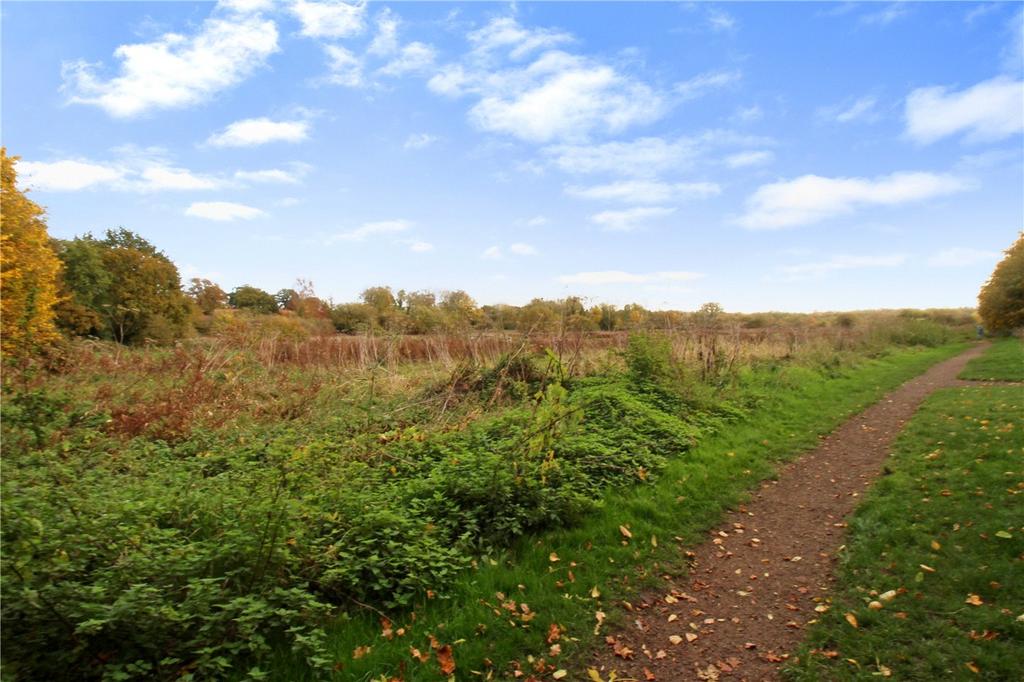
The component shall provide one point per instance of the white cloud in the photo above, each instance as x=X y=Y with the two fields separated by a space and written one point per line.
x=274 y=175
x=507 y=33
x=256 y=131
x=223 y=211
x=346 y=68
x=492 y=253
x=330 y=18
x=812 y=198
x=620 y=277
x=644 y=156
x=413 y=58
x=645 y=191
x=420 y=247
x=521 y=249
x=630 y=218
x=886 y=16
x=748 y=114
x=386 y=40
x=556 y=96
x=720 y=20
x=135 y=171
x=371 y=229
x=962 y=257
x=537 y=221
x=703 y=83
x=751 y=158
x=419 y=141
x=176 y=70
x=818 y=269
x=990 y=110
x=861 y=109
x=66 y=176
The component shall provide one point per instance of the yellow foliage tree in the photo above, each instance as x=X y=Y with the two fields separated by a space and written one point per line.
x=1001 y=301
x=28 y=269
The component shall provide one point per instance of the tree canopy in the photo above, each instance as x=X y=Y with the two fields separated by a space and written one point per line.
x=28 y=268
x=1001 y=301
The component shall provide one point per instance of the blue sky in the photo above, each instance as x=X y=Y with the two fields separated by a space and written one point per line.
x=766 y=156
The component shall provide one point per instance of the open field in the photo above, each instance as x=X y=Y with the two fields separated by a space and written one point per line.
x=930 y=580
x=243 y=505
x=1004 y=361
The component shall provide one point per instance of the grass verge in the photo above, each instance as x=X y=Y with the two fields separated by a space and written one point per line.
x=939 y=545
x=537 y=609
x=1003 y=361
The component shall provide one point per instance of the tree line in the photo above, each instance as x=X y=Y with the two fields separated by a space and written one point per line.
x=123 y=288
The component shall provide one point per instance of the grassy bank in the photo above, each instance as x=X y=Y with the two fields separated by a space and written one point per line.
x=937 y=548
x=538 y=607
x=1003 y=361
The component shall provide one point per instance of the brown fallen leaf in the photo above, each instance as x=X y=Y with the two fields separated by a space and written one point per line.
x=554 y=633
x=675 y=639
x=691 y=637
x=418 y=655
x=852 y=620
x=973 y=668
x=361 y=651
x=648 y=675
x=445 y=659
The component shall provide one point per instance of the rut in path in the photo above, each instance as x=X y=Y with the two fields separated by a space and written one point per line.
x=751 y=585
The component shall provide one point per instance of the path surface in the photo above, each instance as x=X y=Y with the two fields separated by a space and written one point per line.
x=753 y=584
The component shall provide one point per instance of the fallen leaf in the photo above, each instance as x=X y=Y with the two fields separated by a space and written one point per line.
x=559 y=674
x=648 y=675
x=1004 y=535
x=928 y=569
x=936 y=546
x=552 y=557
x=418 y=655
x=691 y=637
x=973 y=668
x=555 y=650
x=554 y=633
x=361 y=651
x=446 y=660
x=625 y=532
x=675 y=639
x=852 y=620
x=594 y=675
x=595 y=593
x=672 y=617
x=888 y=595
x=973 y=600
x=885 y=671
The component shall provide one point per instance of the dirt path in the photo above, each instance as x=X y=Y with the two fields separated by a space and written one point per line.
x=753 y=584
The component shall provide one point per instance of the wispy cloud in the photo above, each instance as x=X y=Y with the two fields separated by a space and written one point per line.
x=703 y=83
x=134 y=171
x=517 y=249
x=223 y=211
x=958 y=257
x=860 y=109
x=645 y=191
x=620 y=277
x=990 y=110
x=419 y=141
x=751 y=158
x=330 y=18
x=886 y=15
x=813 y=198
x=821 y=268
x=251 y=132
x=371 y=229
x=631 y=218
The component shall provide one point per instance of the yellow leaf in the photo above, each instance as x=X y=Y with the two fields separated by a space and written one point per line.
x=936 y=546
x=553 y=557
x=928 y=569
x=973 y=600
x=594 y=675
x=625 y=532
x=852 y=620
x=559 y=674
x=973 y=668
x=675 y=639
x=595 y=593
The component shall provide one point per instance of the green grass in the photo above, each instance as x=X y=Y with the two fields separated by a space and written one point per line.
x=597 y=566
x=1003 y=361
x=954 y=503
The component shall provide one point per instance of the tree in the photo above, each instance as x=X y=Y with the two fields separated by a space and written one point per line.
x=130 y=289
x=247 y=297
x=206 y=295
x=1001 y=300
x=28 y=268
x=383 y=303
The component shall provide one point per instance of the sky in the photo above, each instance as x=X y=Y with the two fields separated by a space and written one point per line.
x=791 y=157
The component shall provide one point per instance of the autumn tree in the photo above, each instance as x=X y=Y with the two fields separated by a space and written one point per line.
x=130 y=289
x=206 y=295
x=254 y=299
x=28 y=268
x=1001 y=301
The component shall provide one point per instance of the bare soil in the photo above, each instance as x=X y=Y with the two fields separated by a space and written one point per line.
x=755 y=582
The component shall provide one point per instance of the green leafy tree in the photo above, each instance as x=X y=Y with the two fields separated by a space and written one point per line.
x=254 y=299
x=1001 y=301
x=124 y=287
